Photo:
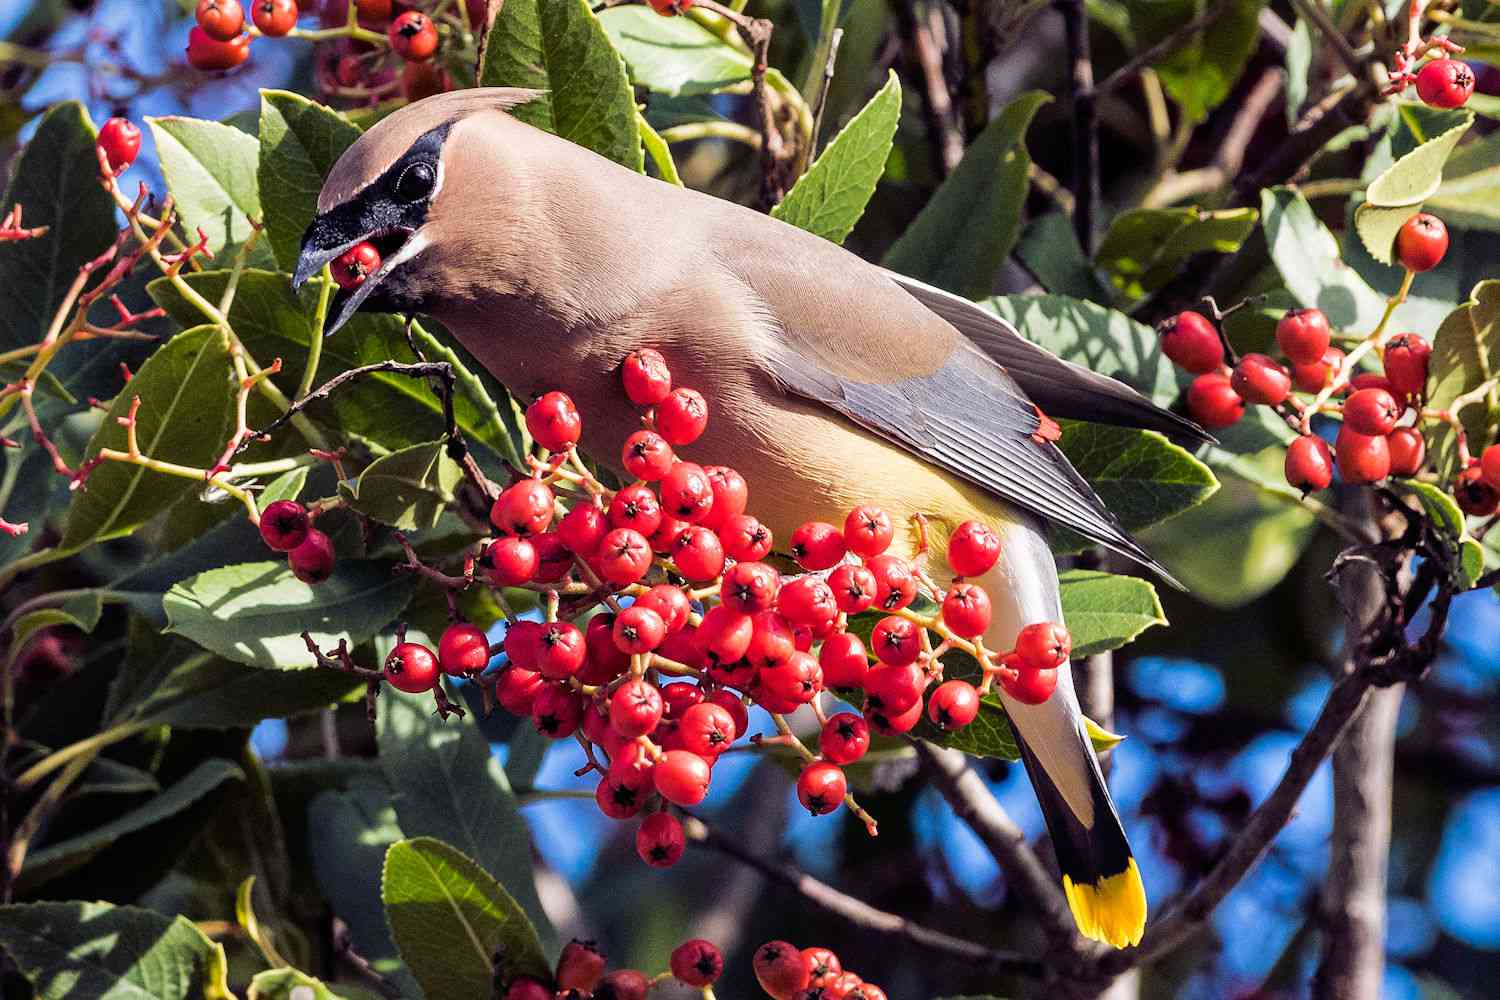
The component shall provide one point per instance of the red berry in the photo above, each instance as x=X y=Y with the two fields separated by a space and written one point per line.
x=370 y=11
x=647 y=379
x=845 y=738
x=682 y=417
x=120 y=139
x=635 y=708
x=697 y=963
x=682 y=777
x=853 y=588
x=1445 y=83
x=823 y=966
x=1362 y=458
x=698 y=554
x=966 y=610
x=795 y=681
x=412 y=668
x=707 y=730
x=660 y=840
x=221 y=20
x=284 y=525
x=413 y=36
x=207 y=53
x=580 y=966
x=1313 y=377
x=528 y=988
x=865 y=991
x=894 y=689
x=583 y=529
x=638 y=630
x=844 y=661
x=1422 y=242
x=817 y=545
x=647 y=456
x=463 y=649
x=666 y=537
x=557 y=711
x=1303 y=335
x=669 y=602
x=554 y=560
x=525 y=508
x=1369 y=380
x=771 y=642
x=1489 y=464
x=750 y=587
x=678 y=698
x=974 y=549
x=553 y=422
x=1475 y=496
x=1406 y=361
x=807 y=600
x=868 y=531
x=560 y=650
x=731 y=494
x=619 y=798
x=1371 y=411
x=1260 y=380
x=623 y=556
x=1309 y=464
x=353 y=266
x=724 y=634
x=516 y=689
x=509 y=562
x=669 y=8
x=731 y=703
x=953 y=705
x=686 y=492
x=1192 y=343
x=780 y=969
x=896 y=641
x=841 y=983
x=1408 y=451
x=895 y=583
x=523 y=644
x=312 y=561
x=275 y=18
x=745 y=539
x=1043 y=645
x=885 y=722
x=636 y=507
x=1212 y=401
x=821 y=787
x=1030 y=687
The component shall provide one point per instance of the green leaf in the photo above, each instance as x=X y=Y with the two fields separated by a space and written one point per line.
x=407 y=489
x=1439 y=506
x=1300 y=53
x=1199 y=74
x=1465 y=354
x=1470 y=193
x=527 y=750
x=1145 y=248
x=1398 y=193
x=187 y=397
x=453 y=923
x=1049 y=247
x=673 y=55
x=80 y=613
x=1311 y=266
x=829 y=199
x=1470 y=563
x=210 y=173
x=59 y=858
x=559 y=46
x=1104 y=611
x=348 y=835
x=1141 y=476
x=255 y=613
x=73 y=950
x=300 y=140
x=964 y=232
x=448 y=784
x=287 y=486
x=205 y=692
x=278 y=984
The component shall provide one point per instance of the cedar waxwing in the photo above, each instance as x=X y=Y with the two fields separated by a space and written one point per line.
x=832 y=381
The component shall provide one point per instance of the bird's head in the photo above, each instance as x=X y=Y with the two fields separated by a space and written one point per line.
x=397 y=187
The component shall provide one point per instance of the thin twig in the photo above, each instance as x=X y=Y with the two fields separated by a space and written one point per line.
x=945 y=139
x=1161 y=48
x=1083 y=121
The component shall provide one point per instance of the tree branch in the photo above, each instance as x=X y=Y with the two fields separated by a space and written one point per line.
x=945 y=140
x=1164 y=47
x=1083 y=121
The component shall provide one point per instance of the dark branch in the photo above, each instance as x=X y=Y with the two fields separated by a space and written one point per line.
x=1083 y=121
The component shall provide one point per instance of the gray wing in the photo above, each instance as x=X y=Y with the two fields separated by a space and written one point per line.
x=1061 y=388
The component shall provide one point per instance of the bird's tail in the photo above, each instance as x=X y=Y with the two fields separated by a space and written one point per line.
x=1100 y=876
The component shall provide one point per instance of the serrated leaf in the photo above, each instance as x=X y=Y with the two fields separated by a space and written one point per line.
x=965 y=231
x=830 y=198
x=1104 y=611
x=1465 y=353
x=1311 y=266
x=255 y=612
x=104 y=952
x=1440 y=506
x=675 y=56
x=1142 y=477
x=1145 y=248
x=278 y=984
x=447 y=784
x=1200 y=73
x=1398 y=193
x=52 y=860
x=186 y=398
x=408 y=489
x=1049 y=247
x=210 y=172
x=559 y=47
x=456 y=927
x=300 y=140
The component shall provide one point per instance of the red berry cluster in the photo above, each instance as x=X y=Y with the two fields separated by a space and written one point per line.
x=581 y=974
x=788 y=973
x=286 y=526
x=696 y=626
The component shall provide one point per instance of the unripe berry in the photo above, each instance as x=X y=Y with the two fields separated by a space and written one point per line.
x=647 y=379
x=120 y=139
x=821 y=787
x=353 y=266
x=660 y=840
x=682 y=777
x=312 y=561
x=1309 y=464
x=553 y=421
x=413 y=36
x=208 y=54
x=1408 y=451
x=682 y=417
x=1212 y=401
x=1475 y=496
x=463 y=649
x=1372 y=411
x=275 y=18
x=1043 y=645
x=780 y=969
x=221 y=20
x=1445 y=83
x=817 y=545
x=1030 y=687
x=1406 y=361
x=845 y=738
x=1489 y=464
x=1362 y=458
x=1258 y=379
x=412 y=668
x=697 y=963
x=953 y=705
x=580 y=966
x=1422 y=242
x=284 y=525
x=1191 y=342
x=974 y=549
x=1303 y=335
x=966 y=610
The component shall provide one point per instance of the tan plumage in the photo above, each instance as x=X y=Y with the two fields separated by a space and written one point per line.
x=830 y=384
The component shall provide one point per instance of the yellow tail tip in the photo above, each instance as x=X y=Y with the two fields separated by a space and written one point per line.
x=1112 y=910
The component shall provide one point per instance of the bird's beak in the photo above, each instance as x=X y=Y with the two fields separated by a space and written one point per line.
x=322 y=244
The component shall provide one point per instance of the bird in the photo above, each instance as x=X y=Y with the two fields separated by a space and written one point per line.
x=833 y=381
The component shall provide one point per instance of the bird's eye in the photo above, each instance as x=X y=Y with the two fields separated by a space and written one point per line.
x=415 y=182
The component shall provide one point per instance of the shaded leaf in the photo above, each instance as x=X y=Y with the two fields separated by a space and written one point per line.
x=407 y=489
x=1199 y=74
x=1398 y=193
x=1049 y=247
x=1104 y=611
x=1470 y=193
x=1439 y=506
x=1470 y=563
x=1311 y=266
x=1465 y=353
x=300 y=140
x=278 y=984
x=1145 y=248
x=205 y=692
x=673 y=55
x=210 y=172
